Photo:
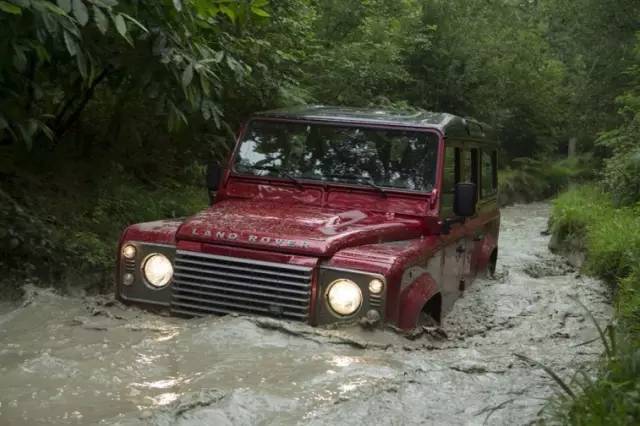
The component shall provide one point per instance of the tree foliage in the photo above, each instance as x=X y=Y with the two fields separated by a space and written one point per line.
x=177 y=55
x=542 y=72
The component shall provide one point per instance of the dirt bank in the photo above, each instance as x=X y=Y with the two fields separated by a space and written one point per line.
x=89 y=360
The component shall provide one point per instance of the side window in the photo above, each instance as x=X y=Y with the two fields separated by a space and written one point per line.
x=489 y=183
x=470 y=166
x=451 y=175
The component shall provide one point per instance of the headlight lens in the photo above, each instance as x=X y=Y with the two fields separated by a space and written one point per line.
x=376 y=286
x=158 y=270
x=129 y=251
x=344 y=297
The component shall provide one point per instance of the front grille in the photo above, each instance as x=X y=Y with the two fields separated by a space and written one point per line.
x=206 y=283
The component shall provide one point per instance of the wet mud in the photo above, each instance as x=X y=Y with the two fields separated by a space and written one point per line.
x=74 y=360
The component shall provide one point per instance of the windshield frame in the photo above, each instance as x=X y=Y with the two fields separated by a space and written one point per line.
x=339 y=123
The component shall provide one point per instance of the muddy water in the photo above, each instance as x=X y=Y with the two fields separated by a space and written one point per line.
x=71 y=360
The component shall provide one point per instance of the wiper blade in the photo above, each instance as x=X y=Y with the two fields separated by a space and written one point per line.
x=280 y=173
x=293 y=179
x=376 y=187
x=360 y=180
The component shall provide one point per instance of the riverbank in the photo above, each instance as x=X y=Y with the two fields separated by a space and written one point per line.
x=607 y=239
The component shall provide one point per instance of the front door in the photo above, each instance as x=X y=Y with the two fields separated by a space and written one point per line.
x=460 y=165
x=455 y=242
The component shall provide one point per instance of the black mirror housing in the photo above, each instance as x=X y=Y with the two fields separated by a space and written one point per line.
x=213 y=180
x=214 y=176
x=465 y=199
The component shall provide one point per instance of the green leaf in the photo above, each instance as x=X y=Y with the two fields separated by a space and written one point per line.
x=101 y=20
x=3 y=122
x=120 y=24
x=71 y=43
x=65 y=5
x=229 y=12
x=27 y=131
x=107 y=4
x=50 y=23
x=259 y=12
x=187 y=75
x=178 y=5
x=176 y=117
x=53 y=8
x=259 y=3
x=19 y=59
x=136 y=22
x=10 y=8
x=80 y=12
x=46 y=130
x=206 y=86
x=82 y=64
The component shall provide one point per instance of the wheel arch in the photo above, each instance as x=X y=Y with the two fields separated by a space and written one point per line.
x=433 y=307
x=422 y=293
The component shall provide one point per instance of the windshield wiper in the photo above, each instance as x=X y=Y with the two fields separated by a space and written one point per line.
x=293 y=179
x=376 y=187
x=281 y=174
x=360 y=180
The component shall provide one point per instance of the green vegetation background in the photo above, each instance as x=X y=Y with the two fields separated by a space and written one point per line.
x=110 y=108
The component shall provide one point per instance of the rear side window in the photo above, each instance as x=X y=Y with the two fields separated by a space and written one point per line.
x=489 y=184
x=450 y=176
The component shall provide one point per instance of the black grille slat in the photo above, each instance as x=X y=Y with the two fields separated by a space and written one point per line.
x=213 y=274
x=206 y=289
x=206 y=284
x=199 y=310
x=190 y=278
x=238 y=267
x=233 y=299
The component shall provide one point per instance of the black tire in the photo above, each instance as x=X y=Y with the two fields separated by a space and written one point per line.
x=491 y=268
x=426 y=320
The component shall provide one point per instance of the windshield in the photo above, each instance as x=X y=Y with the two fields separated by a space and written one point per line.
x=358 y=155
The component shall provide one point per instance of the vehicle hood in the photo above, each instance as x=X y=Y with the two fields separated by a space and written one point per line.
x=303 y=229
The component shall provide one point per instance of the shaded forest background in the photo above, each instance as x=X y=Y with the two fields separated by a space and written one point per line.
x=110 y=108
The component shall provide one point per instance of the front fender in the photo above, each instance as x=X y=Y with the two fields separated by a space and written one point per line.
x=484 y=252
x=413 y=298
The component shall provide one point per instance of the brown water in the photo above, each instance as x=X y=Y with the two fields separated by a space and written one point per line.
x=66 y=360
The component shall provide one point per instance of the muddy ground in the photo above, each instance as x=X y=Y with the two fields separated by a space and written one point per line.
x=67 y=360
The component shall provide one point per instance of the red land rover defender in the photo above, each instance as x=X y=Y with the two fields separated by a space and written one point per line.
x=328 y=215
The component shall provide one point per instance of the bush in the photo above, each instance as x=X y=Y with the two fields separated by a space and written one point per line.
x=585 y=218
x=529 y=179
x=66 y=236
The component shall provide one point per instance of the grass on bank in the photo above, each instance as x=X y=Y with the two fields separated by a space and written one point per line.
x=585 y=219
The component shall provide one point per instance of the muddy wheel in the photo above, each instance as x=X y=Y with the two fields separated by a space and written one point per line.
x=426 y=320
x=491 y=267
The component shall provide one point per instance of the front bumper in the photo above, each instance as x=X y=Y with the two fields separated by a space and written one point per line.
x=206 y=283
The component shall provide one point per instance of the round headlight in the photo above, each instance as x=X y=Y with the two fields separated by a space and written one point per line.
x=344 y=297
x=158 y=270
x=129 y=251
x=376 y=286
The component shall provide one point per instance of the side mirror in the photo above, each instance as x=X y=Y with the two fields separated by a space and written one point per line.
x=465 y=199
x=213 y=180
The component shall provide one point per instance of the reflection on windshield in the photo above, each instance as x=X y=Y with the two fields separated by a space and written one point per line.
x=360 y=155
